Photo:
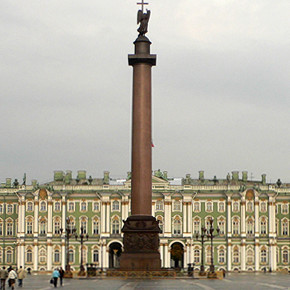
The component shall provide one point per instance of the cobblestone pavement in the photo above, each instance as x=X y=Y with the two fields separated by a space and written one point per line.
x=232 y=281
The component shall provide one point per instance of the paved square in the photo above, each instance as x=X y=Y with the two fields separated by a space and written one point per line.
x=234 y=281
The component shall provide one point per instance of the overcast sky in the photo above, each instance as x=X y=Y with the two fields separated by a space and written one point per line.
x=220 y=88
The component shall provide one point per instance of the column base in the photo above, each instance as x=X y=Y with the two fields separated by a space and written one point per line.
x=141 y=244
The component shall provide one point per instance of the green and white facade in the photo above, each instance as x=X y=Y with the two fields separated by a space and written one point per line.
x=253 y=217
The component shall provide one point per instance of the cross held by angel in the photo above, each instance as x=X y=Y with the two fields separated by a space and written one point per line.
x=143 y=19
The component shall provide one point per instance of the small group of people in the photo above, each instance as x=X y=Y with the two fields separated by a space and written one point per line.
x=57 y=273
x=12 y=275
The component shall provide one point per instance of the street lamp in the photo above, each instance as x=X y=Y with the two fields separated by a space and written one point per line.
x=202 y=236
x=80 y=239
x=68 y=232
x=211 y=236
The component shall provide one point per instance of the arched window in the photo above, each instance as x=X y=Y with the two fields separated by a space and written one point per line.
x=9 y=228
x=71 y=256
x=42 y=227
x=263 y=226
x=95 y=256
x=96 y=206
x=196 y=257
x=209 y=206
x=176 y=205
x=57 y=226
x=284 y=208
x=196 y=207
x=221 y=206
x=84 y=254
x=56 y=256
x=83 y=225
x=221 y=256
x=285 y=227
x=1 y=227
x=250 y=256
x=221 y=226
x=236 y=226
x=235 y=206
x=236 y=256
x=285 y=256
x=1 y=208
x=263 y=255
x=29 y=256
x=42 y=256
x=263 y=206
x=43 y=206
x=96 y=230
x=29 y=206
x=9 y=208
x=208 y=255
x=71 y=206
x=196 y=226
x=250 y=206
x=250 y=227
x=83 y=206
x=160 y=223
x=57 y=206
x=9 y=256
x=71 y=224
x=159 y=205
x=29 y=226
x=115 y=226
x=115 y=206
x=177 y=226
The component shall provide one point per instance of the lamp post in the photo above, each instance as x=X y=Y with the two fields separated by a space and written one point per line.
x=202 y=236
x=211 y=236
x=80 y=239
x=68 y=232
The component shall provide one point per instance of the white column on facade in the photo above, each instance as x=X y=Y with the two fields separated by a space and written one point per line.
x=185 y=257
x=167 y=217
x=49 y=217
x=22 y=253
x=35 y=256
x=229 y=252
x=63 y=217
x=49 y=254
x=123 y=209
x=184 y=217
x=256 y=217
x=23 y=216
x=103 y=217
x=243 y=255
x=106 y=258
x=153 y=208
x=166 y=256
x=36 y=216
x=257 y=256
x=20 y=222
x=63 y=252
x=229 y=217
x=243 y=218
x=161 y=250
x=108 y=219
x=18 y=255
x=189 y=218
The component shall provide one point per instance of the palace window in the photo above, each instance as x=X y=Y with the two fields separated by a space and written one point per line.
x=263 y=256
x=1 y=227
x=29 y=226
x=250 y=206
x=235 y=206
x=285 y=227
x=29 y=256
x=57 y=227
x=1 y=208
x=159 y=205
x=285 y=256
x=96 y=206
x=9 y=208
x=263 y=206
x=71 y=206
x=84 y=254
x=176 y=205
x=56 y=256
x=177 y=227
x=284 y=208
x=115 y=226
x=83 y=206
x=43 y=206
x=57 y=206
x=9 y=228
x=221 y=256
x=250 y=256
x=209 y=206
x=71 y=224
x=95 y=256
x=236 y=226
x=42 y=256
x=83 y=225
x=221 y=226
x=207 y=223
x=160 y=220
x=196 y=207
x=42 y=227
x=96 y=226
x=263 y=226
x=236 y=255
x=71 y=256
x=9 y=256
x=208 y=255
x=196 y=226
x=221 y=206
x=250 y=227
x=196 y=256
x=29 y=206
x=115 y=206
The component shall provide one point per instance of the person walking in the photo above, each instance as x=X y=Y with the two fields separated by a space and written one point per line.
x=61 y=273
x=21 y=273
x=3 y=277
x=12 y=276
x=55 y=276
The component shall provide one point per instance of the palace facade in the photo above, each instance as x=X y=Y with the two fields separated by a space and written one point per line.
x=252 y=216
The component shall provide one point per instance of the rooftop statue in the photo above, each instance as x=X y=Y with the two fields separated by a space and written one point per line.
x=143 y=19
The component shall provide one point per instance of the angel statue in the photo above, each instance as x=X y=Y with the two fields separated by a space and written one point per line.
x=143 y=19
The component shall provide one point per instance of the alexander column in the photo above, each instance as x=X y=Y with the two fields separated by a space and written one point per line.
x=141 y=230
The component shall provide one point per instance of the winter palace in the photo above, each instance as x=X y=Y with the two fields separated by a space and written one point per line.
x=253 y=218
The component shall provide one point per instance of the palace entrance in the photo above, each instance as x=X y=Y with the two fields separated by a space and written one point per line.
x=115 y=251
x=176 y=256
